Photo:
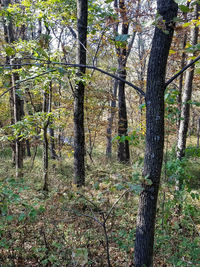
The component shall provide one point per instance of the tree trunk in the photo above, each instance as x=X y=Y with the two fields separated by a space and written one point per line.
x=123 y=146
x=45 y=142
x=185 y=110
x=110 y=120
x=79 y=134
x=17 y=104
x=154 y=133
x=180 y=87
x=18 y=114
x=51 y=130
x=28 y=149
x=52 y=144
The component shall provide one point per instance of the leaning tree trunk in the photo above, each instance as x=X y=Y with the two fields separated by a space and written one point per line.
x=187 y=93
x=79 y=134
x=154 y=133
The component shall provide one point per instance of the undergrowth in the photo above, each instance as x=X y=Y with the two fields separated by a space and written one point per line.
x=62 y=229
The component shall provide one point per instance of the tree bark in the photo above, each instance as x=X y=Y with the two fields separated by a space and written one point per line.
x=45 y=142
x=18 y=114
x=154 y=133
x=123 y=147
x=79 y=134
x=123 y=51
x=51 y=130
x=187 y=93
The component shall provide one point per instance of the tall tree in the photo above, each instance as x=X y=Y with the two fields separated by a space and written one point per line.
x=17 y=103
x=187 y=93
x=167 y=10
x=123 y=49
x=79 y=135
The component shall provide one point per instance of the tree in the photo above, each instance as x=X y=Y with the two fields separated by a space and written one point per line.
x=123 y=50
x=79 y=135
x=17 y=103
x=187 y=93
x=167 y=10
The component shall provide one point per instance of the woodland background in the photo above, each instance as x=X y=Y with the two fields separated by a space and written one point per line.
x=90 y=123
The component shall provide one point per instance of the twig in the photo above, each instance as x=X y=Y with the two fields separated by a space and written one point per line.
x=88 y=200
x=109 y=212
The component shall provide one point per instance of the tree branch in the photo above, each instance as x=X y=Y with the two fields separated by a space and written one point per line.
x=181 y=71
x=77 y=66
x=25 y=80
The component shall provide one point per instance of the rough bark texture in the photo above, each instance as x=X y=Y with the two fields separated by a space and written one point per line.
x=79 y=135
x=187 y=93
x=154 y=133
x=123 y=147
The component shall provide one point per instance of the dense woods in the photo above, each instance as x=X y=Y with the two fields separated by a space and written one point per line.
x=99 y=133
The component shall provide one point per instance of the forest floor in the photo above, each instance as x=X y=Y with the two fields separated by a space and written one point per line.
x=66 y=226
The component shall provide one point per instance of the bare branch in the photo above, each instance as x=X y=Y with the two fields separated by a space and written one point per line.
x=109 y=212
x=76 y=66
x=181 y=71
x=25 y=80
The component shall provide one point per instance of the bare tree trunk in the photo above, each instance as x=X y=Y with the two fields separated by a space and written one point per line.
x=45 y=143
x=28 y=149
x=154 y=134
x=185 y=110
x=110 y=120
x=123 y=146
x=52 y=144
x=51 y=130
x=79 y=133
x=16 y=102
x=180 y=88
x=18 y=113
x=123 y=52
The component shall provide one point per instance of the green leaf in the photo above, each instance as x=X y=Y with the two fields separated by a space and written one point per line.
x=142 y=106
x=9 y=218
x=184 y=8
x=109 y=1
x=9 y=51
x=119 y=187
